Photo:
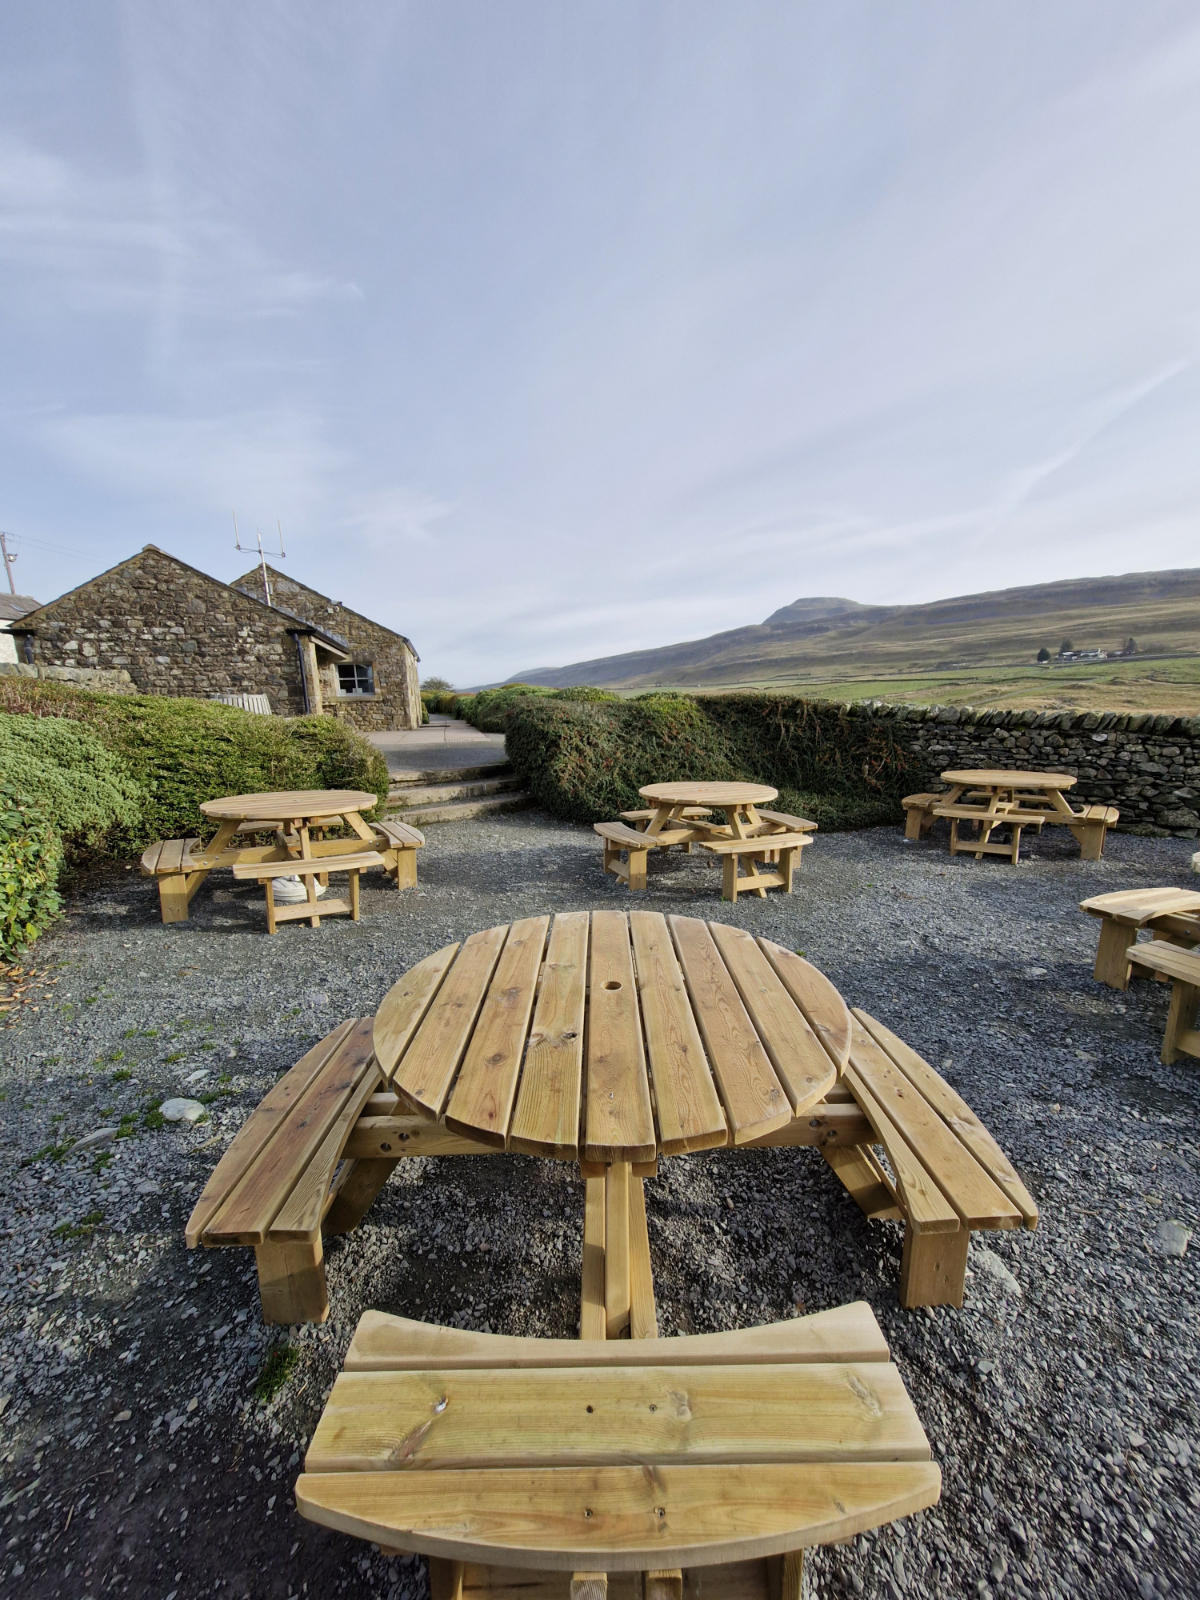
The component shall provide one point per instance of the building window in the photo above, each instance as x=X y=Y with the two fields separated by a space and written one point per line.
x=355 y=678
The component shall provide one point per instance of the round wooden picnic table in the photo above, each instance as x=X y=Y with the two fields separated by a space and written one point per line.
x=995 y=778
x=612 y=1037
x=296 y=805
x=735 y=796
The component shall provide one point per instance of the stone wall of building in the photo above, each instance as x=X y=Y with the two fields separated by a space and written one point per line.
x=1146 y=765
x=98 y=678
x=396 y=702
x=173 y=629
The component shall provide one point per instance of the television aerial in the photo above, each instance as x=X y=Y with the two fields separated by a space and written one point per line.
x=262 y=554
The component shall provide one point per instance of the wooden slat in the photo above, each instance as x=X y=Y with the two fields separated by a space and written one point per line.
x=591 y=1315
x=827 y=1013
x=688 y=1105
x=301 y=1214
x=360 y=861
x=425 y=1074
x=545 y=1121
x=618 y=1519
x=957 y=1114
x=259 y=1128
x=751 y=1094
x=170 y=857
x=848 y=1334
x=977 y=1200
x=618 y=1119
x=801 y=1064
x=926 y=1209
x=483 y=1097
x=1171 y=960
x=403 y=1007
x=150 y=855
x=514 y=1417
x=247 y=1214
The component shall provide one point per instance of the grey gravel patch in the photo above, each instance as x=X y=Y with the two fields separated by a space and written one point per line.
x=1066 y=1422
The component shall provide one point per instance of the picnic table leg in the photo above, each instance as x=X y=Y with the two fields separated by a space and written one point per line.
x=591 y=1311
x=729 y=877
x=933 y=1268
x=269 y=886
x=1112 y=964
x=291 y=1281
x=445 y=1578
x=173 y=897
x=785 y=1574
x=405 y=863
x=637 y=868
x=617 y=1296
x=787 y=865
x=353 y=893
x=1181 y=1018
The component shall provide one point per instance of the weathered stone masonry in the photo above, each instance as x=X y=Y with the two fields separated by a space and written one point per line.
x=1146 y=765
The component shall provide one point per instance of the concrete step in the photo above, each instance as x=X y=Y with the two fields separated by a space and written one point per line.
x=422 y=780
x=461 y=810
x=438 y=793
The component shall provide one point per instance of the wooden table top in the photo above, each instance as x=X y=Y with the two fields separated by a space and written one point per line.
x=289 y=804
x=990 y=778
x=549 y=1040
x=709 y=794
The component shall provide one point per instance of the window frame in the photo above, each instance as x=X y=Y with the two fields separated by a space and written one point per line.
x=361 y=670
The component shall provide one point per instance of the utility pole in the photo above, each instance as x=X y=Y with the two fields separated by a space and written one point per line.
x=8 y=561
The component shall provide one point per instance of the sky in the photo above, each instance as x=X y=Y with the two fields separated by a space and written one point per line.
x=547 y=332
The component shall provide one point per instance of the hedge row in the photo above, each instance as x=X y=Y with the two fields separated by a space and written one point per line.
x=108 y=774
x=586 y=761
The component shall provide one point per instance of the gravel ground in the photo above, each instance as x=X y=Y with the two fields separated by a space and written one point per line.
x=1061 y=1402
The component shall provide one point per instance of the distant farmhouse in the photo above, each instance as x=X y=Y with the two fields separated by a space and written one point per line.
x=176 y=631
x=12 y=608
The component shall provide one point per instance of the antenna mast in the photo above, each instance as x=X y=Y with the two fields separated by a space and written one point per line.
x=262 y=557
x=8 y=561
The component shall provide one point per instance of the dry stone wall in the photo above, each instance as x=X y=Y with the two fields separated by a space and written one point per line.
x=1146 y=765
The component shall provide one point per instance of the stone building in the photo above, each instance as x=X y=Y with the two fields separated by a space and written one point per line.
x=376 y=687
x=176 y=631
x=12 y=608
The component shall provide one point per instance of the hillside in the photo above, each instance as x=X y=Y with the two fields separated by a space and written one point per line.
x=818 y=639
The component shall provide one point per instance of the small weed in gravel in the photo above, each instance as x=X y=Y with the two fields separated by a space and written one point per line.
x=276 y=1371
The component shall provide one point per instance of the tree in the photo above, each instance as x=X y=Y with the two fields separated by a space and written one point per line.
x=437 y=686
x=1130 y=647
x=1043 y=654
x=1065 y=647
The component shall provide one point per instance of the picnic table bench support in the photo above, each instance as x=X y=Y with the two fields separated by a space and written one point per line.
x=291 y=1281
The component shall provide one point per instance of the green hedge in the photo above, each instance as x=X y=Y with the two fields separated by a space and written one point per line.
x=586 y=761
x=488 y=710
x=30 y=856
x=87 y=794
x=180 y=752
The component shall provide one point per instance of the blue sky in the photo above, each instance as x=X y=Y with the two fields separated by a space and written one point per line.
x=552 y=331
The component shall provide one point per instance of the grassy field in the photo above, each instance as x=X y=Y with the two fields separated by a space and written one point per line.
x=1168 y=685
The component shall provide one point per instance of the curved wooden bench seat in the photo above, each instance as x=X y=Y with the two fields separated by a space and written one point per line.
x=275 y=1185
x=951 y=1177
x=617 y=1519
x=1173 y=915
x=617 y=1455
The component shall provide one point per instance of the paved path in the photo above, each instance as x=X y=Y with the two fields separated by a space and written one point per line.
x=442 y=743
